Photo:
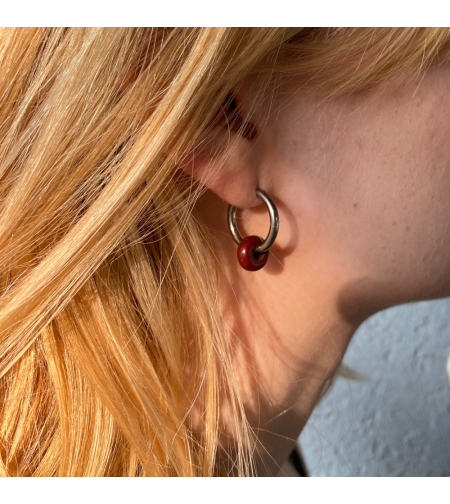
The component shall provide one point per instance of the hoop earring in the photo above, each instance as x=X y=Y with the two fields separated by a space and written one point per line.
x=253 y=251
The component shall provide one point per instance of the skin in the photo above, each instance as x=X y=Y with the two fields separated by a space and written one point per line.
x=361 y=184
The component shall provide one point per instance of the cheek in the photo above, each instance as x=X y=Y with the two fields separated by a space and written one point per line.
x=387 y=215
x=393 y=220
x=379 y=186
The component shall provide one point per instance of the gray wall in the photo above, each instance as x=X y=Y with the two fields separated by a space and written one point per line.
x=398 y=423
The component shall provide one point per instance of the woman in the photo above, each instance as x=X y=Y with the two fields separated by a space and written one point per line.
x=133 y=341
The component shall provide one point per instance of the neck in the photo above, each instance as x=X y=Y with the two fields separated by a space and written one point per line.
x=288 y=329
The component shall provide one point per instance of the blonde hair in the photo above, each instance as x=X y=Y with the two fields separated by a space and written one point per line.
x=111 y=330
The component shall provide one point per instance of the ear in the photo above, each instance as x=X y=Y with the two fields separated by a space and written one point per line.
x=227 y=158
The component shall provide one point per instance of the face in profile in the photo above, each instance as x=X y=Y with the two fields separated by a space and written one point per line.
x=362 y=183
x=369 y=176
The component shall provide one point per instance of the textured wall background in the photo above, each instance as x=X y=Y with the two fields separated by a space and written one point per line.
x=398 y=424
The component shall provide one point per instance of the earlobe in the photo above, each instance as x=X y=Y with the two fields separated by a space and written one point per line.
x=228 y=164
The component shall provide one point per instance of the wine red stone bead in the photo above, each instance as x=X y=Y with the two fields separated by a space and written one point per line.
x=246 y=255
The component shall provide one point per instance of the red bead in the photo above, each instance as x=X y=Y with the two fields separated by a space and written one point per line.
x=246 y=255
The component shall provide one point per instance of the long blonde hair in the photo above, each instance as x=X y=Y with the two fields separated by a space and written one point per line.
x=110 y=324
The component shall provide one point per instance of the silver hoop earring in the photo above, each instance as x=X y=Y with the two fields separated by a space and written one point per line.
x=253 y=251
